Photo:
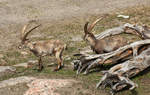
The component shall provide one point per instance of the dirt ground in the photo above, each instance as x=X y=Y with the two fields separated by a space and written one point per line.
x=14 y=13
x=58 y=18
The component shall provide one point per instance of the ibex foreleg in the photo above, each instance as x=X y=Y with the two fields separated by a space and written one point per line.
x=40 y=63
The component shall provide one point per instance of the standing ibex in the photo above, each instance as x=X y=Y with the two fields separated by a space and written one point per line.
x=102 y=45
x=42 y=48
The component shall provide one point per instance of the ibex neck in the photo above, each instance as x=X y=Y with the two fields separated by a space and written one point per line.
x=30 y=46
x=92 y=41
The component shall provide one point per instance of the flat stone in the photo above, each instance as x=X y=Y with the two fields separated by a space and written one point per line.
x=24 y=53
x=5 y=70
x=68 y=58
x=28 y=64
x=21 y=65
x=47 y=86
x=15 y=81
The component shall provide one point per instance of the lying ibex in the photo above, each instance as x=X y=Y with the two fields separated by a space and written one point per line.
x=42 y=48
x=102 y=45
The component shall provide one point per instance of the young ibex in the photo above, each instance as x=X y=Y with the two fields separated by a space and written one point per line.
x=102 y=45
x=42 y=48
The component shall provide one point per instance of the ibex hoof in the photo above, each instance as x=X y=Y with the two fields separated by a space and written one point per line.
x=40 y=69
x=55 y=70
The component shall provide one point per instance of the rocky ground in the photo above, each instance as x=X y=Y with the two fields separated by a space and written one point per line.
x=58 y=18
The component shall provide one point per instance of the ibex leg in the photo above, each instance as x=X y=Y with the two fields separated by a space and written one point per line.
x=40 y=63
x=59 y=60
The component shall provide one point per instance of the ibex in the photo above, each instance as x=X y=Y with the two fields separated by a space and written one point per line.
x=102 y=45
x=42 y=48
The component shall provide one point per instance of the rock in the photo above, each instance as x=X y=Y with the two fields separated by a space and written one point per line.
x=28 y=64
x=24 y=53
x=32 y=63
x=38 y=86
x=51 y=64
x=7 y=68
x=14 y=81
x=47 y=86
x=4 y=70
x=21 y=65
x=68 y=58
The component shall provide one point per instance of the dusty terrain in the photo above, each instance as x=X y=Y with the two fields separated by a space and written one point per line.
x=58 y=18
x=14 y=13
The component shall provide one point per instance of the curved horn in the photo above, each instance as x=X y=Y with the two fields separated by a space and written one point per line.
x=85 y=27
x=93 y=24
x=23 y=30
x=26 y=34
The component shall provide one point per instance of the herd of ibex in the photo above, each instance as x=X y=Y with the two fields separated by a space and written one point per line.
x=109 y=49
x=56 y=47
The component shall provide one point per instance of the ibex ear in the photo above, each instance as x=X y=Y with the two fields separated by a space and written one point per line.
x=85 y=27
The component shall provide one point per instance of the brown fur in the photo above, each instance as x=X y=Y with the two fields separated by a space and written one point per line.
x=44 y=48
x=102 y=45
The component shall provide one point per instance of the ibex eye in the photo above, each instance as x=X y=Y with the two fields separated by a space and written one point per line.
x=19 y=47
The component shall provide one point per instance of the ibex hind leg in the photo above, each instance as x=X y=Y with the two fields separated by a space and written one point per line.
x=61 y=57
x=59 y=60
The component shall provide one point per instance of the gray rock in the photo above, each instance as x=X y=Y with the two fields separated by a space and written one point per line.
x=21 y=65
x=24 y=53
x=15 y=81
x=28 y=64
x=5 y=70
x=47 y=86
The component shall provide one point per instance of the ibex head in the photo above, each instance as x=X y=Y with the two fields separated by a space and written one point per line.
x=24 y=41
x=88 y=34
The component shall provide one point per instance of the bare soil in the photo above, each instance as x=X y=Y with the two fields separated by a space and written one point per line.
x=14 y=13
